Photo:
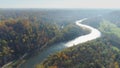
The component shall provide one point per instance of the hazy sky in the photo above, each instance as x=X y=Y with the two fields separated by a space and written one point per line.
x=59 y=3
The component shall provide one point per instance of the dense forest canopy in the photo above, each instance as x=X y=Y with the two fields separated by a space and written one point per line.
x=108 y=24
x=26 y=31
x=95 y=54
x=101 y=53
x=20 y=36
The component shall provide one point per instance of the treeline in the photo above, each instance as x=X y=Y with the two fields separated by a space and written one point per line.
x=94 y=54
x=23 y=31
x=19 y=37
x=109 y=25
x=102 y=53
x=114 y=17
x=59 y=16
x=111 y=32
x=69 y=32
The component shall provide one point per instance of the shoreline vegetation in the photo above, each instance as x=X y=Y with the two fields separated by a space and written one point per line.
x=105 y=51
x=68 y=30
x=80 y=39
x=94 y=54
x=25 y=32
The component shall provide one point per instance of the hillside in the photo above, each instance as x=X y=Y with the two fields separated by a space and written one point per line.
x=95 y=54
x=108 y=24
x=21 y=37
x=114 y=17
x=101 y=53
x=18 y=37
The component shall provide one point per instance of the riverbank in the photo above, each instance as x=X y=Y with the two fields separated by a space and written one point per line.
x=70 y=30
x=91 y=36
x=59 y=47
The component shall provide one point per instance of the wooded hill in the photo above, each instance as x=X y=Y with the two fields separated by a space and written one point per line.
x=101 y=53
x=94 y=54
x=21 y=34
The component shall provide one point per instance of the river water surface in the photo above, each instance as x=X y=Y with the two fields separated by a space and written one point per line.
x=30 y=63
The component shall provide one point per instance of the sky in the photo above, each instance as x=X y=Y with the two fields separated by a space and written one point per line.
x=60 y=4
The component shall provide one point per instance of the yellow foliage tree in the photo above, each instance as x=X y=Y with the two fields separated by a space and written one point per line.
x=116 y=65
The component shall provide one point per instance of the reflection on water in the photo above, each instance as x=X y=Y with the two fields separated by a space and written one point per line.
x=81 y=39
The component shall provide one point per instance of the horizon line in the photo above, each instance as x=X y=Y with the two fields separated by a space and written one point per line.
x=55 y=8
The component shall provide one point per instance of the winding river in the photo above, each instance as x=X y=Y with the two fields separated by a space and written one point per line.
x=30 y=63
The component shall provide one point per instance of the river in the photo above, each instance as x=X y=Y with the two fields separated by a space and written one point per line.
x=30 y=63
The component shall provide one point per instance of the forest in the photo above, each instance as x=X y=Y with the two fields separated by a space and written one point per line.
x=23 y=32
x=100 y=53
x=93 y=54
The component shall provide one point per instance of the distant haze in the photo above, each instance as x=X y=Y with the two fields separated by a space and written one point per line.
x=115 y=4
